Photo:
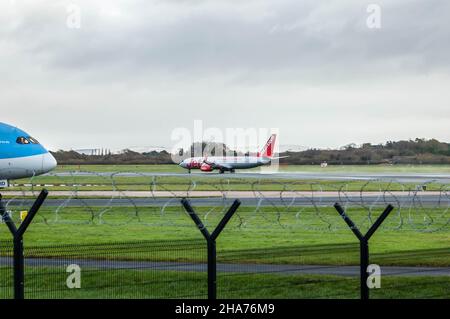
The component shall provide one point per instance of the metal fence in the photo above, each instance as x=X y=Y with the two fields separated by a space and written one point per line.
x=281 y=272
x=132 y=270
x=150 y=199
x=114 y=270
x=181 y=266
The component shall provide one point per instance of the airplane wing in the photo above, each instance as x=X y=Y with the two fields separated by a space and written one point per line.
x=223 y=166
x=280 y=157
x=216 y=165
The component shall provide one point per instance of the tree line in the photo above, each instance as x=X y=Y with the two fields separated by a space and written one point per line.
x=418 y=151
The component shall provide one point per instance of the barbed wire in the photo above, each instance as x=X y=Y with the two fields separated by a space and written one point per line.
x=152 y=199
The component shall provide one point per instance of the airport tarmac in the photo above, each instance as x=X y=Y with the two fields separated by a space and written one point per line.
x=264 y=199
x=398 y=177
x=349 y=271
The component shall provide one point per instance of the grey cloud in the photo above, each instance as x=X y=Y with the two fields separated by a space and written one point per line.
x=205 y=40
x=305 y=67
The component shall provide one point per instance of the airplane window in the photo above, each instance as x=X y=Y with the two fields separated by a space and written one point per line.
x=33 y=140
x=22 y=140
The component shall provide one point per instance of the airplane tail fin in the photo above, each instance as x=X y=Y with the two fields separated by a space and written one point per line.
x=269 y=149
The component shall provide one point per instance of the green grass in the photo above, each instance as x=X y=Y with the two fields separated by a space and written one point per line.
x=265 y=237
x=303 y=236
x=50 y=283
x=165 y=183
x=198 y=182
x=161 y=183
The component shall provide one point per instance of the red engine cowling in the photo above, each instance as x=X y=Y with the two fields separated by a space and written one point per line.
x=206 y=167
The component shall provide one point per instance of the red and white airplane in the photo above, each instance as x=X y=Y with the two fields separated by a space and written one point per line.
x=231 y=163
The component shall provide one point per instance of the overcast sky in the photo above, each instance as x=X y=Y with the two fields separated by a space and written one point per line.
x=137 y=69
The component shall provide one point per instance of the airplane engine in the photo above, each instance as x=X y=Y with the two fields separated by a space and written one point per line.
x=206 y=168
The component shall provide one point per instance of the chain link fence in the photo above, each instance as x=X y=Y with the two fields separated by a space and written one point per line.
x=285 y=241
x=135 y=270
x=153 y=200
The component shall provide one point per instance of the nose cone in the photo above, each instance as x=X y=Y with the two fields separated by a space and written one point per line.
x=183 y=164
x=48 y=162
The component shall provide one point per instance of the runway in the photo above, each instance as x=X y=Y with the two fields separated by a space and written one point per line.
x=347 y=271
x=398 y=177
x=219 y=197
x=400 y=200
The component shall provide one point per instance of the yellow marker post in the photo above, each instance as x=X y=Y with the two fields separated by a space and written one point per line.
x=23 y=215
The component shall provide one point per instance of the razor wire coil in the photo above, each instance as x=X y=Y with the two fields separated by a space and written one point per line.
x=154 y=200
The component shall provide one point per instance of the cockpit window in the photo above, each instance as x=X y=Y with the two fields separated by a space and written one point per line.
x=33 y=140
x=22 y=140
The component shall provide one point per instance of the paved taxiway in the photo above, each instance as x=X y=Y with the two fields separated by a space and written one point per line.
x=432 y=199
x=398 y=177
x=233 y=268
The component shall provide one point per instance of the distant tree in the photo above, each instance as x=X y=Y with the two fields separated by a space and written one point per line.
x=414 y=151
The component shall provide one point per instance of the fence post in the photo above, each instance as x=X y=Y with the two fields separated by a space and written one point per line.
x=211 y=241
x=18 y=254
x=363 y=265
x=212 y=270
x=364 y=244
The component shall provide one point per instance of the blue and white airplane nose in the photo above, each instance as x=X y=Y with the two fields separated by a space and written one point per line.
x=48 y=162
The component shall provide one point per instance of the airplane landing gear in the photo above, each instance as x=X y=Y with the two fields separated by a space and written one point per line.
x=222 y=171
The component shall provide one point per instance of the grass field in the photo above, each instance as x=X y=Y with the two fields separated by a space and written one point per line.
x=199 y=182
x=263 y=240
x=306 y=235
x=313 y=237
x=49 y=283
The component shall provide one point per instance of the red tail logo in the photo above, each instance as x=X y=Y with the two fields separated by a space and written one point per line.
x=268 y=149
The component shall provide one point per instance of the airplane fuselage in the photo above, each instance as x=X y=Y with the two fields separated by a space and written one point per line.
x=224 y=163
